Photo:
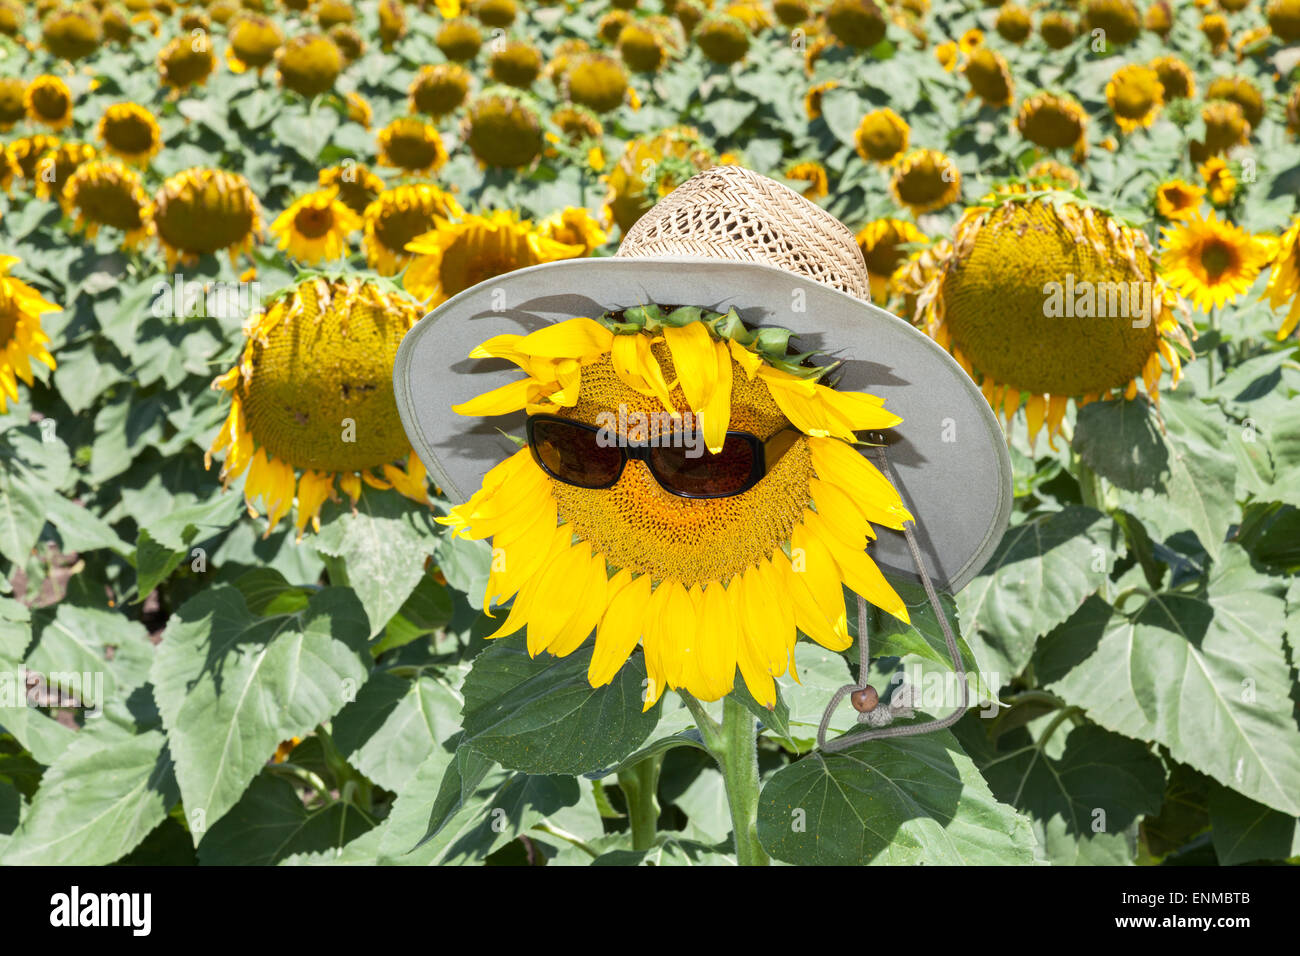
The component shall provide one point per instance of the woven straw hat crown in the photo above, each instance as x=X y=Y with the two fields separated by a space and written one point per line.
x=734 y=214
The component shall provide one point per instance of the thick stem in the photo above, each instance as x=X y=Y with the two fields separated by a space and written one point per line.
x=1090 y=486
x=640 y=785
x=739 y=762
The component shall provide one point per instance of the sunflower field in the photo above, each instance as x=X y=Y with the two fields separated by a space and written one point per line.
x=241 y=624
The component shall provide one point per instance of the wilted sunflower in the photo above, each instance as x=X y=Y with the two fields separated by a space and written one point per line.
x=1013 y=23
x=357 y=185
x=459 y=40
x=859 y=24
x=1239 y=90
x=1045 y=297
x=1211 y=262
x=455 y=255
x=104 y=192
x=692 y=580
x=439 y=90
x=254 y=41
x=1177 y=81
x=392 y=22
x=55 y=168
x=643 y=49
x=311 y=401
x=1220 y=183
x=13 y=107
x=791 y=13
x=72 y=33
x=409 y=144
x=49 y=102
x=596 y=81
x=925 y=180
x=1225 y=127
x=316 y=227
x=811 y=172
x=397 y=216
x=185 y=61
x=989 y=78
x=1178 y=199
x=670 y=157
x=496 y=13
x=1057 y=30
x=129 y=131
x=309 y=64
x=722 y=39
x=1284 y=279
x=348 y=40
x=1054 y=121
x=1135 y=95
x=203 y=210
x=574 y=226
x=332 y=12
x=502 y=129
x=516 y=63
x=1216 y=30
x=1119 y=20
x=882 y=136
x=882 y=243
x=21 y=336
x=1284 y=19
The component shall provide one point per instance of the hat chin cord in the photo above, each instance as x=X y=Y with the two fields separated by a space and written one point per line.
x=881 y=714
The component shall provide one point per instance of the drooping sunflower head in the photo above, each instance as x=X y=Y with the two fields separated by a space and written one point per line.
x=12 y=105
x=925 y=180
x=1220 y=181
x=596 y=81
x=1239 y=90
x=859 y=24
x=577 y=124
x=1283 y=290
x=392 y=22
x=989 y=77
x=1013 y=23
x=185 y=61
x=792 y=13
x=455 y=255
x=309 y=64
x=333 y=12
x=612 y=23
x=813 y=173
x=357 y=185
x=1057 y=30
x=349 y=41
x=1045 y=297
x=1053 y=121
x=459 y=40
x=1177 y=81
x=1178 y=199
x=254 y=41
x=203 y=210
x=516 y=63
x=223 y=11
x=26 y=151
x=316 y=226
x=311 y=400
x=410 y=144
x=195 y=20
x=12 y=17
x=439 y=90
x=116 y=26
x=1119 y=20
x=1211 y=262
x=722 y=39
x=49 y=102
x=690 y=579
x=1159 y=18
x=72 y=33
x=104 y=192
x=1055 y=174
x=55 y=168
x=1216 y=30
x=21 y=336
x=650 y=168
x=643 y=49
x=885 y=243
x=1284 y=19
x=1225 y=127
x=502 y=129
x=496 y=13
x=130 y=132
x=1135 y=95
x=882 y=136
x=398 y=215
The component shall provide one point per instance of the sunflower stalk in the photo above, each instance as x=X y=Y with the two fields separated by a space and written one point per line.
x=640 y=785
x=734 y=745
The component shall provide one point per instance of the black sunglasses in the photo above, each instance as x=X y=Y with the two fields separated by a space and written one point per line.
x=580 y=454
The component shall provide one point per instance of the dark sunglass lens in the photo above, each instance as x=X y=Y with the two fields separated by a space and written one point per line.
x=704 y=475
x=576 y=455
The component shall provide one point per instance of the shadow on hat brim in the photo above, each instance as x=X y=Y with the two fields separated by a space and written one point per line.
x=949 y=453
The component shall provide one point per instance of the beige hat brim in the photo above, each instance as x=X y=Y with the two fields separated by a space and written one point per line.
x=949 y=453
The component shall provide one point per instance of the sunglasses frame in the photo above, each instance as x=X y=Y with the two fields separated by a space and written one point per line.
x=763 y=462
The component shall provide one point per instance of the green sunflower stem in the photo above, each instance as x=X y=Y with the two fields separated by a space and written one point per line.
x=739 y=762
x=640 y=785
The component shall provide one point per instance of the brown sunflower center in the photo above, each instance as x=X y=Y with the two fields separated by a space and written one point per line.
x=109 y=202
x=640 y=526
x=50 y=102
x=128 y=133
x=1218 y=257
x=397 y=225
x=312 y=222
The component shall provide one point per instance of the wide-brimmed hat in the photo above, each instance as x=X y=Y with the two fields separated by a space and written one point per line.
x=731 y=238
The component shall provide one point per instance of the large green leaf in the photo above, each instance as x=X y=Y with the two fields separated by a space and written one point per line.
x=905 y=800
x=1084 y=793
x=100 y=798
x=231 y=685
x=540 y=715
x=22 y=516
x=1041 y=572
x=1244 y=831
x=1121 y=441
x=1202 y=671
x=96 y=655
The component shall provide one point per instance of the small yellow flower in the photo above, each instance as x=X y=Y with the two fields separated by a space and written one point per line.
x=316 y=227
x=1211 y=262
x=1178 y=199
x=1219 y=181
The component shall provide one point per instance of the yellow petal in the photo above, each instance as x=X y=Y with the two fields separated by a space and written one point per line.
x=620 y=627
x=691 y=347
